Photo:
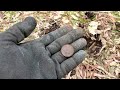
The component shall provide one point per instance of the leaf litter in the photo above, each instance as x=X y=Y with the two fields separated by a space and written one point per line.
x=102 y=32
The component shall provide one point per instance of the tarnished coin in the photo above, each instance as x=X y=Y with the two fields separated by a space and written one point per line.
x=67 y=50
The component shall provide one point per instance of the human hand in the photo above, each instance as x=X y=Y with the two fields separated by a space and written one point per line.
x=40 y=58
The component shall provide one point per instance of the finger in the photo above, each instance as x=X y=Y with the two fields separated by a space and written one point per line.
x=50 y=37
x=72 y=62
x=66 y=39
x=19 y=31
x=58 y=57
x=77 y=45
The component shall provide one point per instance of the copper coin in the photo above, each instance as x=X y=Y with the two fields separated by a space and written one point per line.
x=67 y=50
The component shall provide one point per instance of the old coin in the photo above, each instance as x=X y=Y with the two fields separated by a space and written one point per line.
x=67 y=50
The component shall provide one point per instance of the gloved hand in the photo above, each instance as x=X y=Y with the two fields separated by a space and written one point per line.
x=40 y=58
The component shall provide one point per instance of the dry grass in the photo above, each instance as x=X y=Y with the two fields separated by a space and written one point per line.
x=103 y=58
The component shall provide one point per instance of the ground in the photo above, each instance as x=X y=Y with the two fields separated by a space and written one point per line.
x=102 y=32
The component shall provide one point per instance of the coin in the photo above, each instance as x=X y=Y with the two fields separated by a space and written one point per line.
x=67 y=50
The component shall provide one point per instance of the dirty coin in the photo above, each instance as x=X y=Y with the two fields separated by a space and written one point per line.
x=67 y=50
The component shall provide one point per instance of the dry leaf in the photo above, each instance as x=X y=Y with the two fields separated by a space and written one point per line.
x=74 y=17
x=65 y=20
x=117 y=71
x=103 y=40
x=117 y=41
x=93 y=27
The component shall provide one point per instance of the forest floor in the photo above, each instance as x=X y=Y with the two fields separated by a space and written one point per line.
x=102 y=32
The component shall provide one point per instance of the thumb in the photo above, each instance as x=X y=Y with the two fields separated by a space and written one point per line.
x=19 y=31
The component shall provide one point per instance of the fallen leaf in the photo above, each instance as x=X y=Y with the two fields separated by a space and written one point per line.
x=117 y=71
x=93 y=27
x=74 y=17
x=65 y=20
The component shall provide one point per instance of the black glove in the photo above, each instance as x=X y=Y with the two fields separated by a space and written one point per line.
x=40 y=58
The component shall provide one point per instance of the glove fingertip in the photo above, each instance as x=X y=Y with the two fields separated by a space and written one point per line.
x=31 y=20
x=79 y=56
x=27 y=26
